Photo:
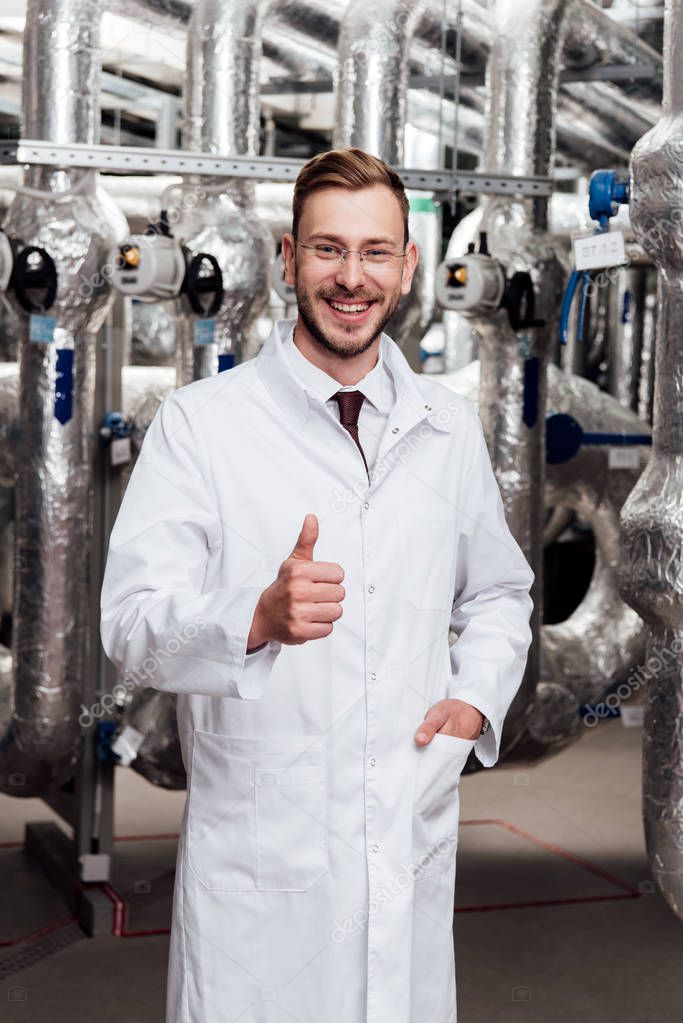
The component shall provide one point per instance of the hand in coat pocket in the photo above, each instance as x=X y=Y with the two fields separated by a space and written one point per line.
x=450 y=717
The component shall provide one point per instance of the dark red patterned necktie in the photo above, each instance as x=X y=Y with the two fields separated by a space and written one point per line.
x=349 y=409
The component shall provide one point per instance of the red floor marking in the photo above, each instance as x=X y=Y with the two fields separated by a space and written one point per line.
x=629 y=892
x=41 y=932
x=119 y=926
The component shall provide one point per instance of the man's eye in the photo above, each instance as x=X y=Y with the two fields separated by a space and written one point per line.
x=326 y=250
x=377 y=253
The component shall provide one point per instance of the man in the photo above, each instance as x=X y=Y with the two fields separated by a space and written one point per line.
x=296 y=538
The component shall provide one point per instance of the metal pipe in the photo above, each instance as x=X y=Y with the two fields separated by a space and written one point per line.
x=651 y=567
x=370 y=112
x=222 y=116
x=302 y=35
x=522 y=83
x=603 y=640
x=55 y=450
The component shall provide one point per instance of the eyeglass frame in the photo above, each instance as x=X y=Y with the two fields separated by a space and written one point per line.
x=345 y=252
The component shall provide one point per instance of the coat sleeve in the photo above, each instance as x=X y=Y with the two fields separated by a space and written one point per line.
x=158 y=625
x=492 y=604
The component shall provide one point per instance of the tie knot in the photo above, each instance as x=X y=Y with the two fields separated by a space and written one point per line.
x=349 y=406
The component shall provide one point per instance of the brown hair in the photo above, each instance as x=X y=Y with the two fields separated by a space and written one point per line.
x=351 y=169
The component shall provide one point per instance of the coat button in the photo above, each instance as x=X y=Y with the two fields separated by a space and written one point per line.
x=372 y=761
x=366 y=504
x=371 y=589
x=374 y=848
x=395 y=429
x=373 y=676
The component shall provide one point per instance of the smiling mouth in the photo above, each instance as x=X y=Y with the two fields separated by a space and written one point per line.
x=349 y=311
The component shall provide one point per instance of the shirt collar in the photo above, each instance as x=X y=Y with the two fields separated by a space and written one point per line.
x=377 y=385
x=272 y=366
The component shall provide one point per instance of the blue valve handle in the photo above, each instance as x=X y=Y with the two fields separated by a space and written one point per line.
x=115 y=424
x=605 y=194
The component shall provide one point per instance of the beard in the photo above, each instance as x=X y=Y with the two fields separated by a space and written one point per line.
x=363 y=340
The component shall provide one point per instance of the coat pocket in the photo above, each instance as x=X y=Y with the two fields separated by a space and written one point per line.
x=436 y=810
x=257 y=813
x=427 y=562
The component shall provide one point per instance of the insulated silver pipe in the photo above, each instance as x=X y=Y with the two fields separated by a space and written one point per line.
x=625 y=356
x=603 y=640
x=213 y=216
x=56 y=444
x=302 y=35
x=370 y=108
x=522 y=82
x=651 y=567
x=370 y=112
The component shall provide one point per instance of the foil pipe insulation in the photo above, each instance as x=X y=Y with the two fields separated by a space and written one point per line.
x=580 y=138
x=303 y=35
x=522 y=74
x=370 y=113
x=625 y=366
x=522 y=82
x=647 y=368
x=66 y=214
x=153 y=334
x=603 y=640
x=217 y=216
x=424 y=224
x=651 y=565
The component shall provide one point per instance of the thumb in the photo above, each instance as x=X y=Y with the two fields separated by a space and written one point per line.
x=307 y=538
x=434 y=719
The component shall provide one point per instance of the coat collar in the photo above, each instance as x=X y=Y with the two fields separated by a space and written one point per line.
x=410 y=408
x=377 y=385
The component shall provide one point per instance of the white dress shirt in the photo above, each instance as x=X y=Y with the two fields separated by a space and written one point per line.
x=377 y=386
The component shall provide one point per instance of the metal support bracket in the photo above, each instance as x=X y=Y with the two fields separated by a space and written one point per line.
x=135 y=160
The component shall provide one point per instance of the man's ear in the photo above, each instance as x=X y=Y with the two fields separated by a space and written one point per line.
x=410 y=261
x=289 y=259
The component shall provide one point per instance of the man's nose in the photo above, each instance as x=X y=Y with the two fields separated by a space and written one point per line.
x=351 y=273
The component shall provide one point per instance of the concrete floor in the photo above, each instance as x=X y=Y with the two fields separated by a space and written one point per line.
x=556 y=848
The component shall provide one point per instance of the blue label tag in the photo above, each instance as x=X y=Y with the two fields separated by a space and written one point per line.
x=204 y=332
x=41 y=328
x=64 y=385
x=226 y=361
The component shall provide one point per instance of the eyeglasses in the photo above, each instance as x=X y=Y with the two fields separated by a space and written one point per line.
x=328 y=254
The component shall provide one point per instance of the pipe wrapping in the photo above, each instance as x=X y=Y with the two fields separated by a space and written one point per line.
x=54 y=456
x=603 y=640
x=651 y=566
x=217 y=216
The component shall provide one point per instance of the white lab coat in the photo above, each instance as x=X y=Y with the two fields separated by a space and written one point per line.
x=316 y=864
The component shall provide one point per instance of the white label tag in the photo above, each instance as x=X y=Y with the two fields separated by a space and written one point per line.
x=120 y=450
x=127 y=744
x=593 y=251
x=633 y=717
x=623 y=458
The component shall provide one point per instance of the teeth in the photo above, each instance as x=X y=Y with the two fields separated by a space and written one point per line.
x=350 y=308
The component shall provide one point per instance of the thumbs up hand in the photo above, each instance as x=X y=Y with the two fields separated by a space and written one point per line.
x=304 y=600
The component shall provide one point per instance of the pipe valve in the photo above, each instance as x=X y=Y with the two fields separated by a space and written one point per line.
x=155 y=267
x=477 y=284
x=29 y=272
